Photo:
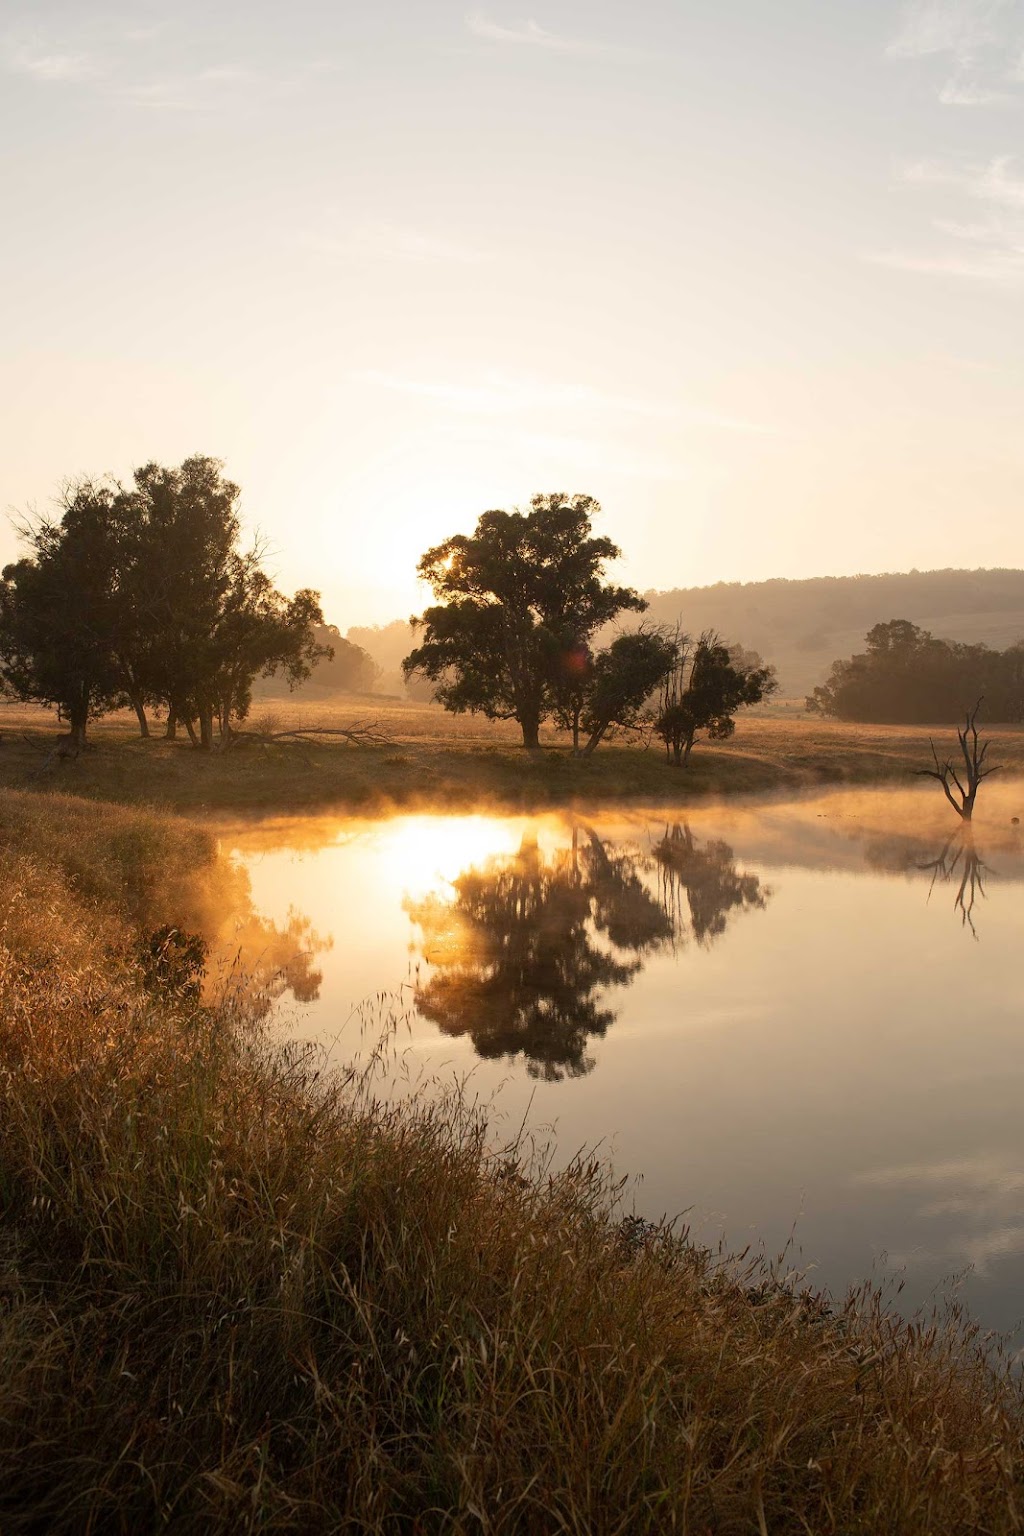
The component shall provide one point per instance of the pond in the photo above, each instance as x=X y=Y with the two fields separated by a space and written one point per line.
x=798 y=1022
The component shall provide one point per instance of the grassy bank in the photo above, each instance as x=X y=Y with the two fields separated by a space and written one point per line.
x=437 y=760
x=237 y=1297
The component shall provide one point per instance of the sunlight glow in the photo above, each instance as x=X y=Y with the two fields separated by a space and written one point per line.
x=419 y=854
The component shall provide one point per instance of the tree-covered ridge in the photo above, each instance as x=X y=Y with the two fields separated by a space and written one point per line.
x=803 y=625
x=907 y=676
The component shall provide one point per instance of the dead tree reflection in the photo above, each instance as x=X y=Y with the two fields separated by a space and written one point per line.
x=525 y=953
x=959 y=864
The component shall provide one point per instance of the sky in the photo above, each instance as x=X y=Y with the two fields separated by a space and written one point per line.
x=751 y=272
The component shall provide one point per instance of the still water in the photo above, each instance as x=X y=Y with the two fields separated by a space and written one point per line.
x=791 y=1020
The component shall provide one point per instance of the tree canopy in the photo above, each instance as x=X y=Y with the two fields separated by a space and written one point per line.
x=140 y=595
x=518 y=600
x=59 y=607
x=705 y=686
x=907 y=676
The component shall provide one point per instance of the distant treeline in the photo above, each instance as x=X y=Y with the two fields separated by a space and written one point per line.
x=908 y=677
x=350 y=669
x=803 y=625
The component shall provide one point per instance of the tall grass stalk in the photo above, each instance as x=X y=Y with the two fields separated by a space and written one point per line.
x=240 y=1295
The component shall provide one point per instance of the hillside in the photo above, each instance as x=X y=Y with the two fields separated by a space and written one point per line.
x=803 y=626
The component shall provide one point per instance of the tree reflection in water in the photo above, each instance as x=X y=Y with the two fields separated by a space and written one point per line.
x=959 y=862
x=524 y=953
x=252 y=955
x=707 y=879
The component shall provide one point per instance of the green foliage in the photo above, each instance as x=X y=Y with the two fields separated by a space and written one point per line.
x=59 y=608
x=516 y=598
x=140 y=594
x=907 y=676
x=707 y=684
x=607 y=691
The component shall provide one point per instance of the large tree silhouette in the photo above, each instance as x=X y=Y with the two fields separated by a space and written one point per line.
x=518 y=602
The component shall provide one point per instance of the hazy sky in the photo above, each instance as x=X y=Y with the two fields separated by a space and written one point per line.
x=749 y=271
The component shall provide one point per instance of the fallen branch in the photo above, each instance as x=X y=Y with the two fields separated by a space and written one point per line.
x=360 y=734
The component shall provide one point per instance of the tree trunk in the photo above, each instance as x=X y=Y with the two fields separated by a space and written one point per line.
x=531 y=731
x=171 y=728
x=193 y=738
x=140 y=714
x=77 y=718
x=206 y=727
x=575 y=733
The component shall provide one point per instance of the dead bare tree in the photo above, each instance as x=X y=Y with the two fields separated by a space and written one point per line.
x=974 y=769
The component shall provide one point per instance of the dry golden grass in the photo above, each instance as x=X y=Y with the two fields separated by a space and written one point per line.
x=236 y=1296
x=434 y=759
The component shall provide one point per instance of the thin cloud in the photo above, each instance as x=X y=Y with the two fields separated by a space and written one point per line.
x=528 y=33
x=983 y=1192
x=996 y=241
x=498 y=395
x=994 y=181
x=999 y=267
x=202 y=90
x=980 y=37
x=958 y=27
x=111 y=69
x=960 y=93
x=51 y=68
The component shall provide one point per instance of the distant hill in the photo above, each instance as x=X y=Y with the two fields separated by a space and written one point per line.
x=803 y=626
x=800 y=626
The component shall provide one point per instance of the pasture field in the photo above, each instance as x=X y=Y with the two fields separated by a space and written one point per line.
x=431 y=758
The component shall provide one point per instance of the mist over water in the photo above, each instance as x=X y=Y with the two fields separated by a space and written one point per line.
x=795 y=1017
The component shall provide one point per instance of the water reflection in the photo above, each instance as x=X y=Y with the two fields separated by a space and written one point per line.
x=959 y=861
x=847 y=1060
x=250 y=952
x=524 y=952
x=708 y=879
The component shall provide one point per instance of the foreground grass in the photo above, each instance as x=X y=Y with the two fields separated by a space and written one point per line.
x=236 y=1296
x=436 y=760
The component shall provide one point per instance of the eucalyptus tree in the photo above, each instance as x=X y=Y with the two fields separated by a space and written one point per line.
x=517 y=598
x=58 y=611
x=701 y=692
x=608 y=690
x=211 y=619
x=138 y=594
